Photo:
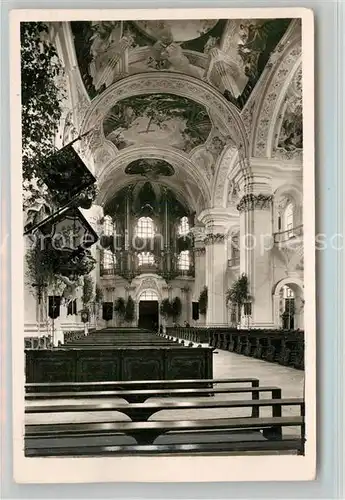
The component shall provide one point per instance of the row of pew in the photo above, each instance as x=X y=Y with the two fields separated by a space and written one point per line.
x=121 y=338
x=121 y=418
x=118 y=354
x=277 y=346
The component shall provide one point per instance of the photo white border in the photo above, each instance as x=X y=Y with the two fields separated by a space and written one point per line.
x=181 y=468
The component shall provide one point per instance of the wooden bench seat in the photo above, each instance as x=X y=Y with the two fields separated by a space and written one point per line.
x=148 y=432
x=141 y=395
x=159 y=384
x=104 y=436
x=283 y=445
x=142 y=411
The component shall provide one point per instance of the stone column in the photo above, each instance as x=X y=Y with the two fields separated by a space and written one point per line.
x=217 y=223
x=128 y=233
x=199 y=261
x=166 y=236
x=256 y=243
x=216 y=265
x=200 y=273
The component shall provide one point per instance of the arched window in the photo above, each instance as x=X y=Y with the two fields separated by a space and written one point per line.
x=145 y=228
x=148 y=295
x=146 y=258
x=288 y=219
x=286 y=216
x=108 y=259
x=184 y=228
x=184 y=260
x=108 y=226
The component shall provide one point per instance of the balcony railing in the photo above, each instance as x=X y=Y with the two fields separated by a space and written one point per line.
x=147 y=268
x=235 y=262
x=289 y=234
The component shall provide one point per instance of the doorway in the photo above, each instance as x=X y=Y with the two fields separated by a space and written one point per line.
x=148 y=311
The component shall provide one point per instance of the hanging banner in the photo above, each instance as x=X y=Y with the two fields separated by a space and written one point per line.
x=54 y=306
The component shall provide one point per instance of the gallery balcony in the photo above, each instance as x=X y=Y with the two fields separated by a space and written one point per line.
x=154 y=268
x=289 y=237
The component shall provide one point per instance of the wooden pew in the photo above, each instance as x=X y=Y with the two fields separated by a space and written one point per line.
x=141 y=395
x=268 y=435
x=91 y=363
x=135 y=384
x=214 y=448
x=143 y=411
x=265 y=433
x=147 y=432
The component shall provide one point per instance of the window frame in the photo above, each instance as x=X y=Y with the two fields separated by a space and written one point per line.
x=184 y=264
x=145 y=228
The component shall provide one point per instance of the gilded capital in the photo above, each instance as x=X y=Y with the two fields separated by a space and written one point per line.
x=199 y=251
x=255 y=202
x=211 y=238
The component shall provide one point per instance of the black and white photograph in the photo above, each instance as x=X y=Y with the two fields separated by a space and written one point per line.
x=165 y=269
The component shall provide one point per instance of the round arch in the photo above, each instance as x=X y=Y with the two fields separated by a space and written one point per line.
x=297 y=286
x=294 y=193
x=225 y=164
x=148 y=282
x=267 y=110
x=150 y=292
x=179 y=160
x=225 y=113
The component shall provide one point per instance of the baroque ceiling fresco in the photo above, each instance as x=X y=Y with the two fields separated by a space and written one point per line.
x=228 y=54
x=160 y=119
x=291 y=132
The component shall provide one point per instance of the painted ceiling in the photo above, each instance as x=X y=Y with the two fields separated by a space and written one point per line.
x=159 y=119
x=229 y=54
x=291 y=132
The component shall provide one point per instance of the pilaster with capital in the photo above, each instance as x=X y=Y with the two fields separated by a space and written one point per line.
x=256 y=243
x=217 y=223
x=199 y=261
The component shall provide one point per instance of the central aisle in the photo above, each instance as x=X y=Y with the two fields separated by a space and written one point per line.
x=226 y=365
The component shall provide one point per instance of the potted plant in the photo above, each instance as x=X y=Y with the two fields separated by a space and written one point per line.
x=176 y=308
x=238 y=295
x=120 y=308
x=130 y=310
x=165 y=308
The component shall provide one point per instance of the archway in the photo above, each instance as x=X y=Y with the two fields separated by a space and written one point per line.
x=148 y=310
x=289 y=304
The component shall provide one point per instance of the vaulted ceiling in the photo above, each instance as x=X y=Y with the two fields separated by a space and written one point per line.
x=228 y=54
x=163 y=133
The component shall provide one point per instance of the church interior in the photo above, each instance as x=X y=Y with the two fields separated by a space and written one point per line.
x=163 y=206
